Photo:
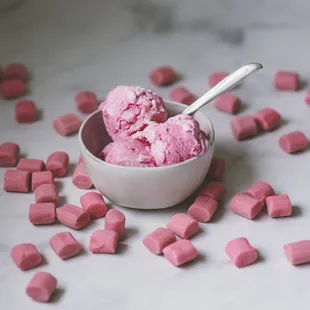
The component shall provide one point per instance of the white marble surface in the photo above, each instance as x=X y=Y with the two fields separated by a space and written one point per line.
x=74 y=44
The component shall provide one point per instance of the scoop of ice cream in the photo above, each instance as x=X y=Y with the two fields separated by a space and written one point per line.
x=128 y=109
x=174 y=141
x=130 y=153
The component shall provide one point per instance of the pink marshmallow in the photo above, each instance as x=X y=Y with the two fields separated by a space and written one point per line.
x=216 y=169
x=307 y=98
x=94 y=204
x=66 y=125
x=163 y=76
x=217 y=77
x=86 y=102
x=73 y=216
x=180 y=252
x=25 y=111
x=16 y=181
x=246 y=206
x=279 y=206
x=65 y=245
x=80 y=159
x=215 y=190
x=16 y=71
x=243 y=127
x=183 y=225
x=41 y=287
x=12 y=88
x=228 y=103
x=46 y=193
x=156 y=241
x=298 y=253
x=58 y=163
x=41 y=177
x=285 y=80
x=31 y=165
x=115 y=220
x=26 y=256
x=42 y=213
x=182 y=95
x=268 y=119
x=260 y=190
x=80 y=177
x=293 y=142
x=203 y=208
x=9 y=154
x=104 y=242
x=240 y=252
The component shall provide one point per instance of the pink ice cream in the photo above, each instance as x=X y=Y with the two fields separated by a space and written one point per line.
x=174 y=141
x=130 y=153
x=129 y=109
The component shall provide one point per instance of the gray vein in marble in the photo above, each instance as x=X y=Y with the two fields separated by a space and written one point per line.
x=12 y=7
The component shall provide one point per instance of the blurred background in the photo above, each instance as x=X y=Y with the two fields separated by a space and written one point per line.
x=97 y=44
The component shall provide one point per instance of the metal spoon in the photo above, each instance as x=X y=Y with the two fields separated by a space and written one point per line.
x=225 y=85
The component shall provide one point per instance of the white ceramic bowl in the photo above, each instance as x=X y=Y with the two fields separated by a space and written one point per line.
x=137 y=187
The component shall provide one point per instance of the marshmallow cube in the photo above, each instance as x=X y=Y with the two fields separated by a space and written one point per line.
x=65 y=245
x=46 y=193
x=12 y=88
x=25 y=111
x=216 y=169
x=58 y=163
x=279 y=206
x=66 y=125
x=240 y=252
x=217 y=77
x=163 y=76
x=42 y=213
x=160 y=238
x=180 y=252
x=267 y=119
x=293 y=142
x=16 y=181
x=16 y=71
x=80 y=177
x=115 y=220
x=9 y=154
x=243 y=127
x=26 y=256
x=41 y=287
x=183 y=225
x=215 y=190
x=182 y=95
x=86 y=102
x=285 y=80
x=228 y=103
x=246 y=206
x=94 y=204
x=203 y=208
x=298 y=253
x=31 y=165
x=104 y=242
x=260 y=190
x=73 y=216
x=41 y=177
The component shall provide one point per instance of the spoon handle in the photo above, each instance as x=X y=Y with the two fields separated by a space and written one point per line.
x=225 y=85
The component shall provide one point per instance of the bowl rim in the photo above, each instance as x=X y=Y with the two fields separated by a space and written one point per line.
x=102 y=162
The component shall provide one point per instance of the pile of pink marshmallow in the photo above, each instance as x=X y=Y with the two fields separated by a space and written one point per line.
x=30 y=175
